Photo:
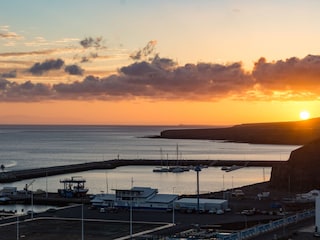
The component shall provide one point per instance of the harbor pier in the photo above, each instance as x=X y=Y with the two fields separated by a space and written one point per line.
x=18 y=175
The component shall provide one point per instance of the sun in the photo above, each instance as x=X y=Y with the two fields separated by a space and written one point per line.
x=304 y=115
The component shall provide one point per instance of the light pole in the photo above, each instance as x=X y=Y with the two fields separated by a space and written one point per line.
x=131 y=218
x=173 y=220
x=32 y=201
x=131 y=202
x=198 y=169
x=18 y=226
x=82 y=223
x=46 y=184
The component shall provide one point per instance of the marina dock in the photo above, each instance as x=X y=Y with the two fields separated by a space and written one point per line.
x=18 y=175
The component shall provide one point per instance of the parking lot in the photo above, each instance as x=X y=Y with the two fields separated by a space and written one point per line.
x=67 y=223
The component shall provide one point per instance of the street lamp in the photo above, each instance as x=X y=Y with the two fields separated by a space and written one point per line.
x=198 y=169
x=18 y=233
x=173 y=220
x=82 y=222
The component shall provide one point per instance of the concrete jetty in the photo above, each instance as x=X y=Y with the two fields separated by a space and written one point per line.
x=13 y=176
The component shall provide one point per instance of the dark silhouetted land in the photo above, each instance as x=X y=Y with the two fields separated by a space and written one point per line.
x=291 y=133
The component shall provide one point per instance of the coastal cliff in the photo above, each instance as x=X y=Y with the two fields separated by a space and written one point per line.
x=292 y=133
x=300 y=172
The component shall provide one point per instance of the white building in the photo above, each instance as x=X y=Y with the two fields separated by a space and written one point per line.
x=204 y=204
x=149 y=198
x=139 y=197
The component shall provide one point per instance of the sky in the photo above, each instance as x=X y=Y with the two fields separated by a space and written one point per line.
x=149 y=62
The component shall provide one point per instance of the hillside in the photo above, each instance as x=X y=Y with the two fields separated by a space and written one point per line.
x=301 y=171
x=295 y=133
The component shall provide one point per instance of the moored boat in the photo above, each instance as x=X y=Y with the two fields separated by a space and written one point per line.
x=73 y=187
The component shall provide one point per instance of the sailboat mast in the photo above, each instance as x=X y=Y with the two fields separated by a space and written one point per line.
x=177 y=149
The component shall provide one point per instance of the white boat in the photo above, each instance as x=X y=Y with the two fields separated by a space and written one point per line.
x=233 y=167
x=176 y=169
x=161 y=169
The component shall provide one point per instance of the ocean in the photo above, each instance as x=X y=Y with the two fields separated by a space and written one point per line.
x=26 y=147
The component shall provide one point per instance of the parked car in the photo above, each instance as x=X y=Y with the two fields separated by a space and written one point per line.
x=220 y=211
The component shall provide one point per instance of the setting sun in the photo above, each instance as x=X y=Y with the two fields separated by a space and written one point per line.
x=304 y=115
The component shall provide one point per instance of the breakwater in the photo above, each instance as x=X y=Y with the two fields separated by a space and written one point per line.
x=13 y=176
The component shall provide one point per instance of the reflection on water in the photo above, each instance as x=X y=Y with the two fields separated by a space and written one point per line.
x=211 y=179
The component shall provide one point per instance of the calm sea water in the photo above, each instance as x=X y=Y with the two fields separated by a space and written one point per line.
x=25 y=147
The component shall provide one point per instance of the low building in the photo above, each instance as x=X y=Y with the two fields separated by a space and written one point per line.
x=8 y=191
x=204 y=204
x=139 y=197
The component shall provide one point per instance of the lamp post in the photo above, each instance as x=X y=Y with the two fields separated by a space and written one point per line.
x=131 y=216
x=131 y=202
x=32 y=201
x=82 y=222
x=173 y=220
x=198 y=169
x=18 y=226
x=46 y=184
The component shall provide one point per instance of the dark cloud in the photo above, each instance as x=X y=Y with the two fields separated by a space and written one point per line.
x=162 y=81
x=40 y=68
x=11 y=74
x=162 y=78
x=74 y=70
x=91 y=42
x=144 y=53
x=26 y=92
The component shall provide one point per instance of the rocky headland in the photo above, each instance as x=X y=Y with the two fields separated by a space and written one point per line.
x=291 y=133
x=299 y=174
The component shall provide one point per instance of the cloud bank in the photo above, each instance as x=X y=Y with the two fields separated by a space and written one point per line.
x=294 y=78
x=163 y=79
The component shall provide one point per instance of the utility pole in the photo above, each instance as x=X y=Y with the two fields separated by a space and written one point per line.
x=198 y=169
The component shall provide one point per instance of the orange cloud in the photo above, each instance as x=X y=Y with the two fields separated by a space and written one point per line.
x=163 y=79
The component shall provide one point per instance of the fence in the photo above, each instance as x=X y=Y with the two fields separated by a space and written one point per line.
x=263 y=228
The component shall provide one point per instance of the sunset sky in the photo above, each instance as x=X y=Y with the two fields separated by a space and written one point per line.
x=162 y=62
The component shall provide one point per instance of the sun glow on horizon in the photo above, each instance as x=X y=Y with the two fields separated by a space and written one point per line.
x=304 y=115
